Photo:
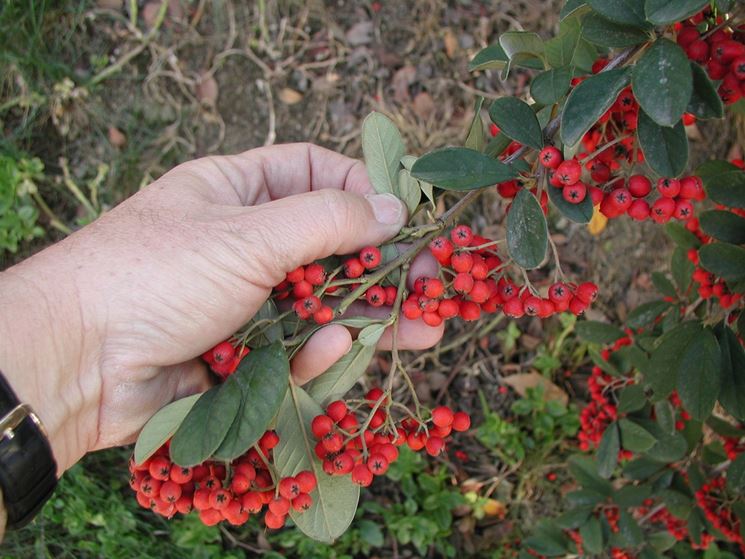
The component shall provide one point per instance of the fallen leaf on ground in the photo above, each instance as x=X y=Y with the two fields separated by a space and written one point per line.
x=522 y=381
x=289 y=96
x=207 y=90
x=424 y=106
x=451 y=43
x=116 y=137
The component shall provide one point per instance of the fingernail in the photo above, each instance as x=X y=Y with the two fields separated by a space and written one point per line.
x=387 y=208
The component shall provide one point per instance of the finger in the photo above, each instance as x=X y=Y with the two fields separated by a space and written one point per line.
x=283 y=234
x=322 y=350
x=192 y=378
x=412 y=334
x=260 y=175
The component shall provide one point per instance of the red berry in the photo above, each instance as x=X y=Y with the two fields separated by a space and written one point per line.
x=296 y=275
x=240 y=484
x=343 y=463
x=370 y=257
x=638 y=210
x=461 y=421
x=669 y=188
x=569 y=172
x=315 y=274
x=683 y=210
x=662 y=210
x=273 y=521
x=336 y=410
x=375 y=296
x=306 y=480
x=160 y=468
x=463 y=283
x=302 y=502
x=441 y=248
x=513 y=308
x=377 y=464
x=333 y=442
x=435 y=445
x=223 y=352
x=202 y=499
x=575 y=193
x=361 y=475
x=469 y=311
x=210 y=517
x=279 y=506
x=251 y=502
x=410 y=309
x=691 y=188
x=461 y=235
x=170 y=491
x=289 y=488
x=639 y=186
x=550 y=157
x=587 y=292
x=559 y=292
x=353 y=268
x=433 y=288
x=442 y=416
x=448 y=309
x=462 y=262
x=321 y=426
x=219 y=499
x=324 y=315
x=268 y=441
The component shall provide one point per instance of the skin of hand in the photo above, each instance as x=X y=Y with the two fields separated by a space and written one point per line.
x=102 y=329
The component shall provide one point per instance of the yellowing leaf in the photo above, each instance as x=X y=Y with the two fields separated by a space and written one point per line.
x=522 y=381
x=597 y=223
x=492 y=507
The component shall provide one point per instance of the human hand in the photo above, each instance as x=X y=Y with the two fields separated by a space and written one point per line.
x=104 y=328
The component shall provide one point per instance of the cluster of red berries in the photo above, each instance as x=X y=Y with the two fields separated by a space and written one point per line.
x=710 y=286
x=733 y=447
x=367 y=445
x=231 y=492
x=602 y=410
x=676 y=527
x=712 y=500
x=223 y=359
x=301 y=284
x=473 y=281
x=721 y=51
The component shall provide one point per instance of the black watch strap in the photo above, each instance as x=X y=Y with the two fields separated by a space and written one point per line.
x=28 y=472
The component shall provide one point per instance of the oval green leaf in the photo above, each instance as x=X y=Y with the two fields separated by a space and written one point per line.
x=383 y=149
x=610 y=445
x=460 y=169
x=629 y=12
x=646 y=313
x=517 y=121
x=664 y=12
x=724 y=182
x=705 y=102
x=527 y=232
x=342 y=375
x=699 y=374
x=662 y=369
x=335 y=498
x=725 y=260
x=475 y=139
x=606 y=33
x=732 y=396
x=665 y=149
x=682 y=236
x=206 y=424
x=598 y=332
x=161 y=427
x=592 y=536
x=662 y=82
x=724 y=226
x=262 y=378
x=634 y=437
x=492 y=57
x=588 y=102
x=550 y=86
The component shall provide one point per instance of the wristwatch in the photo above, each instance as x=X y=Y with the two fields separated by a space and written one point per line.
x=28 y=472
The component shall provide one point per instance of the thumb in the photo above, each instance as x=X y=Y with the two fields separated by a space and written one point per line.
x=305 y=227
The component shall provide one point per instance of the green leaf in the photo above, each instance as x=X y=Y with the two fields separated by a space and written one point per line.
x=662 y=82
x=646 y=313
x=161 y=427
x=460 y=169
x=719 y=426
x=206 y=424
x=527 y=232
x=579 y=213
x=682 y=269
x=663 y=12
x=741 y=325
x=475 y=139
x=634 y=437
x=736 y=474
x=575 y=517
x=661 y=373
x=724 y=182
x=732 y=395
x=370 y=335
x=698 y=371
x=629 y=530
x=342 y=375
x=723 y=226
x=665 y=149
x=592 y=535
x=669 y=447
x=548 y=540
x=681 y=236
x=335 y=498
x=598 y=332
x=632 y=495
x=724 y=260
x=568 y=48
x=641 y=469
x=517 y=121
x=585 y=497
x=585 y=471
x=705 y=102
x=573 y=7
x=383 y=149
x=665 y=416
x=589 y=101
x=662 y=284
x=606 y=33
x=661 y=541
x=608 y=449
x=631 y=398
x=262 y=378
x=629 y=12
x=492 y=57
x=550 y=86
x=408 y=190
x=523 y=47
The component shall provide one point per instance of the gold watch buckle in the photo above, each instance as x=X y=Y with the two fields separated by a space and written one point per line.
x=15 y=417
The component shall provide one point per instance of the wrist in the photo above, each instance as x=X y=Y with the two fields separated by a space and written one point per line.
x=46 y=358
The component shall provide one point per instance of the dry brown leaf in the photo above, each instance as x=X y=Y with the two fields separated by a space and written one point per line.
x=289 y=96
x=116 y=137
x=401 y=81
x=360 y=33
x=424 y=106
x=451 y=43
x=693 y=132
x=207 y=90
x=522 y=381
x=110 y=4
x=492 y=507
